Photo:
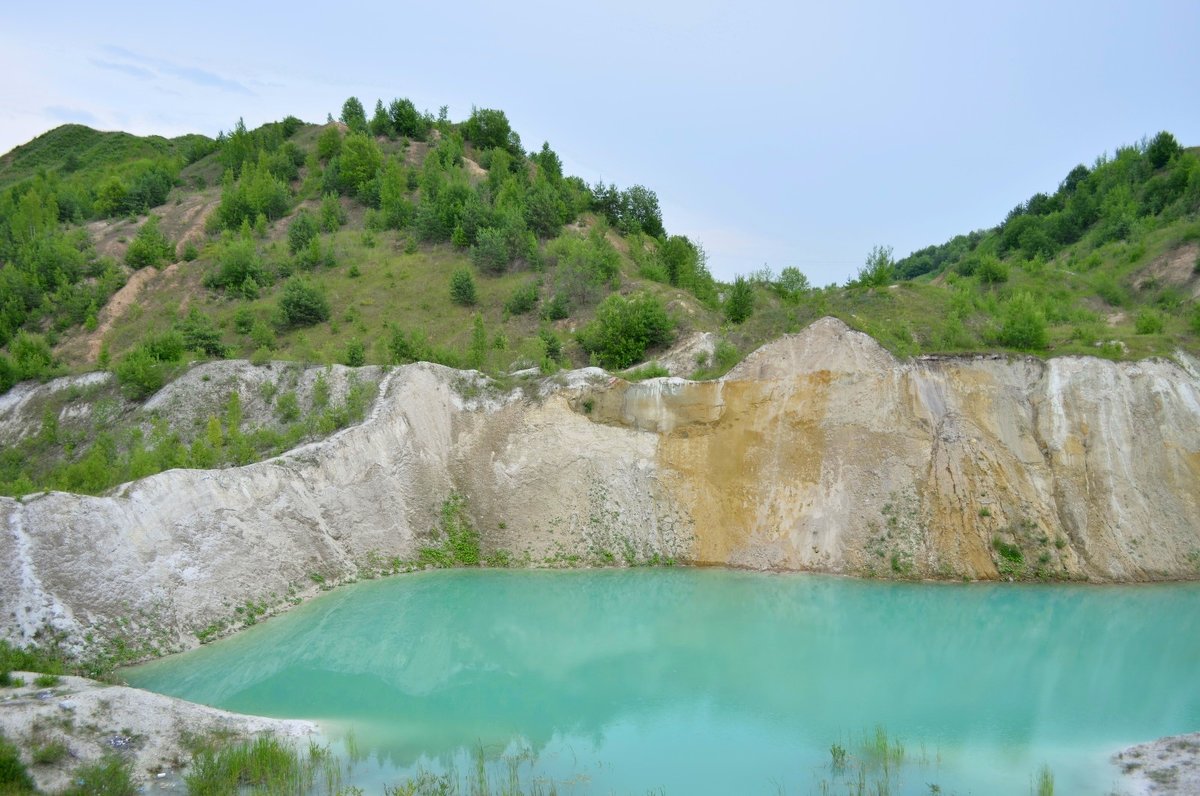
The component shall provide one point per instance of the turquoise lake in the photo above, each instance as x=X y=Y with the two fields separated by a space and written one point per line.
x=712 y=681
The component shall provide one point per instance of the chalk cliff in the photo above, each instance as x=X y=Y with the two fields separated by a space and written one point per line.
x=820 y=451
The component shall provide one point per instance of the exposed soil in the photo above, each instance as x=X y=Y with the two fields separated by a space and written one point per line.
x=1176 y=268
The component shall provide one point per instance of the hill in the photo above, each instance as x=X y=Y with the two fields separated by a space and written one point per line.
x=406 y=236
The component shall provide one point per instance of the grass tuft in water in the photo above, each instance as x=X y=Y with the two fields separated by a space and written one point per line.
x=265 y=765
x=1045 y=782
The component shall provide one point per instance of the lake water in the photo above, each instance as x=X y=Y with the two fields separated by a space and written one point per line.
x=711 y=681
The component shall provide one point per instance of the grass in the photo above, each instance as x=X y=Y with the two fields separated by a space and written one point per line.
x=110 y=776
x=460 y=539
x=49 y=753
x=14 y=778
x=265 y=765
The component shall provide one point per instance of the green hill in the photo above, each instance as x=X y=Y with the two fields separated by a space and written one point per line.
x=406 y=236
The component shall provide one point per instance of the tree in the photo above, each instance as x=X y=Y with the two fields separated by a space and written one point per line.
x=487 y=128
x=739 y=304
x=381 y=123
x=407 y=121
x=354 y=116
x=462 y=288
x=303 y=303
x=641 y=211
x=792 y=282
x=1162 y=149
x=625 y=328
x=359 y=162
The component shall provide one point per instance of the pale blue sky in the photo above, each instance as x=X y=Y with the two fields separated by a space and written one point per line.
x=778 y=134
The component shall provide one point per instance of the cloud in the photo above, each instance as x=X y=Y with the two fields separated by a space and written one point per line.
x=190 y=74
x=128 y=69
x=64 y=114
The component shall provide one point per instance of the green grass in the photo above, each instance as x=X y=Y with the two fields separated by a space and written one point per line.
x=264 y=765
x=14 y=778
x=49 y=753
x=110 y=776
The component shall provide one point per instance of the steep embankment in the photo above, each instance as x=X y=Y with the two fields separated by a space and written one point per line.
x=820 y=451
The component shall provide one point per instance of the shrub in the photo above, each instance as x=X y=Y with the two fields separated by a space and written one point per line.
x=625 y=328
x=355 y=354
x=303 y=303
x=243 y=320
x=189 y=252
x=878 y=270
x=139 y=373
x=739 y=305
x=329 y=143
x=523 y=299
x=200 y=334
x=991 y=270
x=462 y=288
x=302 y=231
x=1024 y=324
x=31 y=357
x=240 y=269
x=333 y=215
x=149 y=247
x=14 y=778
x=490 y=252
x=1149 y=322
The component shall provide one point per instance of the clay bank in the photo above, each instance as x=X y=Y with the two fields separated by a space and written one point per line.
x=818 y=452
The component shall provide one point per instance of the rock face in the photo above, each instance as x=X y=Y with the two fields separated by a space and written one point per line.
x=818 y=452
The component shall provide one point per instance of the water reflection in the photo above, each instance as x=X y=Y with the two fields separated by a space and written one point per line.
x=663 y=668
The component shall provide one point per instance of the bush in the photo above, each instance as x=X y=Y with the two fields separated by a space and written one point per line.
x=490 y=252
x=523 y=299
x=200 y=334
x=31 y=357
x=302 y=304
x=302 y=231
x=878 y=270
x=355 y=355
x=149 y=247
x=1149 y=322
x=140 y=374
x=333 y=215
x=625 y=328
x=739 y=305
x=14 y=778
x=239 y=269
x=991 y=270
x=462 y=288
x=1023 y=324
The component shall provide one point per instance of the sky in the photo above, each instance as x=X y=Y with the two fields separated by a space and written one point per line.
x=774 y=134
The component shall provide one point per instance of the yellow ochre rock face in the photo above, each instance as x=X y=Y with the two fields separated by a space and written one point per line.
x=820 y=451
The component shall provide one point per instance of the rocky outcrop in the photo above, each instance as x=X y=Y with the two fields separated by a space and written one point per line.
x=818 y=452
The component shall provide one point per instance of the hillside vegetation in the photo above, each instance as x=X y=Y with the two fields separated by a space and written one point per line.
x=399 y=235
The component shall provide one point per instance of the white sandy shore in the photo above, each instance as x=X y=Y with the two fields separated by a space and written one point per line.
x=93 y=718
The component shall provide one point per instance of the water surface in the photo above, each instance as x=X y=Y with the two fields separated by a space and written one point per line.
x=710 y=681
